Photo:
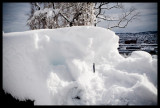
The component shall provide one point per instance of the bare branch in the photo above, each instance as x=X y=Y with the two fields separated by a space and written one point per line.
x=126 y=19
x=107 y=18
x=101 y=9
x=118 y=5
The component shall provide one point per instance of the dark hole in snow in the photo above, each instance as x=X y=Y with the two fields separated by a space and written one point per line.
x=77 y=97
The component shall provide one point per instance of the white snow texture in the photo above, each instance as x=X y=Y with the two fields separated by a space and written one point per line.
x=55 y=67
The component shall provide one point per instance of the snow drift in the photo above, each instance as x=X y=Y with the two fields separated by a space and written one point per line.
x=55 y=67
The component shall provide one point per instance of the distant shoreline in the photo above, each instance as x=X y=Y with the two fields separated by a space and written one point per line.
x=137 y=32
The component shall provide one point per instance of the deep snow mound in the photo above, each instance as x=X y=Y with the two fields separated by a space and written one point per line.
x=55 y=67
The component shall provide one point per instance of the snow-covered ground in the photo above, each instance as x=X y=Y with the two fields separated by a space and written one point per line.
x=55 y=67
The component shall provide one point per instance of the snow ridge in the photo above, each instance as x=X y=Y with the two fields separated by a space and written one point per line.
x=55 y=67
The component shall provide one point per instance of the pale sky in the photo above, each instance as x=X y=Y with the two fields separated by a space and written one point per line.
x=14 y=17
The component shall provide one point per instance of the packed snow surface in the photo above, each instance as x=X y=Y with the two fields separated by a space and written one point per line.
x=55 y=67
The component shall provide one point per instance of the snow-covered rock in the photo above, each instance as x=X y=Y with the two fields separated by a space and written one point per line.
x=55 y=67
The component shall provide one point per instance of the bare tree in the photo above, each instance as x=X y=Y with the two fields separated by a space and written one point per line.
x=120 y=21
x=55 y=15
